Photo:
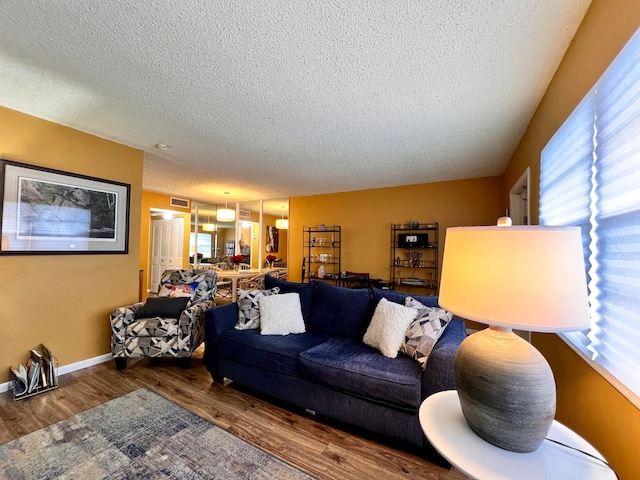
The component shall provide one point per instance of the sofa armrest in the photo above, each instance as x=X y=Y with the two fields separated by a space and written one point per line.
x=439 y=374
x=217 y=321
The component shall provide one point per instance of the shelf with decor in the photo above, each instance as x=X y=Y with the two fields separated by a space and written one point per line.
x=321 y=247
x=414 y=260
x=38 y=374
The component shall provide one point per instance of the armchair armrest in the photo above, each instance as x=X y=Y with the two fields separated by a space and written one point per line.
x=217 y=321
x=191 y=325
x=120 y=319
x=439 y=374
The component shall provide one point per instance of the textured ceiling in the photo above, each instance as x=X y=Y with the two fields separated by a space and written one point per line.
x=275 y=98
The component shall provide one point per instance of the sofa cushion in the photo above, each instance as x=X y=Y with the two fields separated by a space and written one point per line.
x=348 y=365
x=281 y=314
x=399 y=297
x=340 y=312
x=270 y=352
x=305 y=290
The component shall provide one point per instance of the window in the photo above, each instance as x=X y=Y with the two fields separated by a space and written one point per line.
x=590 y=177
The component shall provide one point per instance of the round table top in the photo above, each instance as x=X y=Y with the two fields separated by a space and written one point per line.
x=444 y=425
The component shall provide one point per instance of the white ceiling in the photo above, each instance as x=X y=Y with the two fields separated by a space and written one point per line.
x=275 y=98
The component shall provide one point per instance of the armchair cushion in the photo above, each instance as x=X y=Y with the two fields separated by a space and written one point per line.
x=165 y=307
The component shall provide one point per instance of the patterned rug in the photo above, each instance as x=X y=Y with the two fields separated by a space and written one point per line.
x=139 y=435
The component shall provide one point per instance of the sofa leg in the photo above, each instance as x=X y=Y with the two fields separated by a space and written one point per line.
x=184 y=362
x=218 y=378
x=121 y=363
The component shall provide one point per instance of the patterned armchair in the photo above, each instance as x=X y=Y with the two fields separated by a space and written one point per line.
x=160 y=334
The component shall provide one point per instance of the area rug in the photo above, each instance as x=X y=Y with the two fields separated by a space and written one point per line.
x=139 y=435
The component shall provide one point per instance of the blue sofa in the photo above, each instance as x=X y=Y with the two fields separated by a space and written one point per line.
x=328 y=369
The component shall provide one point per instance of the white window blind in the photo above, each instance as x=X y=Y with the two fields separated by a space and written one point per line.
x=590 y=177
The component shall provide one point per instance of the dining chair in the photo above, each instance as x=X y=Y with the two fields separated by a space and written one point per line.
x=356 y=280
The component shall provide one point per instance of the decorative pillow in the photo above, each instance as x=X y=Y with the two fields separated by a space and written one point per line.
x=388 y=325
x=281 y=314
x=176 y=291
x=163 y=307
x=424 y=331
x=249 y=309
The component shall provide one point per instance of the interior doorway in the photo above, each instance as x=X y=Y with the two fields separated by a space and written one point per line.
x=519 y=201
x=167 y=242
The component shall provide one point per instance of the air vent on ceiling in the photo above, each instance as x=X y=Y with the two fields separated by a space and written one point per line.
x=245 y=214
x=180 y=202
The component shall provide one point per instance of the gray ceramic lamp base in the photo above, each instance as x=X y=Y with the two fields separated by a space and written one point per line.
x=506 y=389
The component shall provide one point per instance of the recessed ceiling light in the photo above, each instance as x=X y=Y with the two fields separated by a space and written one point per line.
x=162 y=146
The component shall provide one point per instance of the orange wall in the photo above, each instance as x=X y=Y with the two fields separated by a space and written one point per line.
x=64 y=301
x=586 y=402
x=158 y=200
x=366 y=216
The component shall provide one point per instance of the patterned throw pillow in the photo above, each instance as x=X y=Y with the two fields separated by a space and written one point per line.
x=249 y=307
x=424 y=331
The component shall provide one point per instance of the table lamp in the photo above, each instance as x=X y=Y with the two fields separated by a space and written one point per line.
x=523 y=277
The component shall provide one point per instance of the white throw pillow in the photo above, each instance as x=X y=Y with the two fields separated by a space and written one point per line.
x=281 y=314
x=388 y=325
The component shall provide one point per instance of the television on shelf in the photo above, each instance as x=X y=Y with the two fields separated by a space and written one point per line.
x=413 y=240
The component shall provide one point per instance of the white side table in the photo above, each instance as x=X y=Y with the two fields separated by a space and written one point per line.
x=444 y=425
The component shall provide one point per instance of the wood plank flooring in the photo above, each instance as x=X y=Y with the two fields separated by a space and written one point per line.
x=302 y=440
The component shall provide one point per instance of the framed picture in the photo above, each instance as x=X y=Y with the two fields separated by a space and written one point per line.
x=47 y=211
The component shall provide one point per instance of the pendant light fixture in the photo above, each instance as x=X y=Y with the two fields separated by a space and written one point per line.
x=209 y=227
x=282 y=223
x=226 y=214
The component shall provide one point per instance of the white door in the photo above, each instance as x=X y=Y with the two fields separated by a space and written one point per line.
x=166 y=249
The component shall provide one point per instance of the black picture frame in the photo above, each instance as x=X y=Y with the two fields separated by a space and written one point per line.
x=46 y=211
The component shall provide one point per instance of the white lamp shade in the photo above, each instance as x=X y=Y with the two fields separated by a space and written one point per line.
x=226 y=215
x=209 y=227
x=525 y=277
x=282 y=224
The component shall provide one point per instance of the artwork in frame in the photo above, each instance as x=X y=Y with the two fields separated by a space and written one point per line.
x=272 y=239
x=46 y=211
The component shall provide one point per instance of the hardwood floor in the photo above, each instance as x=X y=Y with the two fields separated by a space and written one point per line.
x=314 y=446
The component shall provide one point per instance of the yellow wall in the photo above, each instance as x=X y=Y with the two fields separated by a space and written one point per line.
x=158 y=200
x=366 y=216
x=586 y=402
x=64 y=301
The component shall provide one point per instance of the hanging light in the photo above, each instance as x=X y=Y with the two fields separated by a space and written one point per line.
x=209 y=227
x=282 y=223
x=226 y=214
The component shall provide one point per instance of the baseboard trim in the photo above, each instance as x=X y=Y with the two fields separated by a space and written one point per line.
x=4 y=387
